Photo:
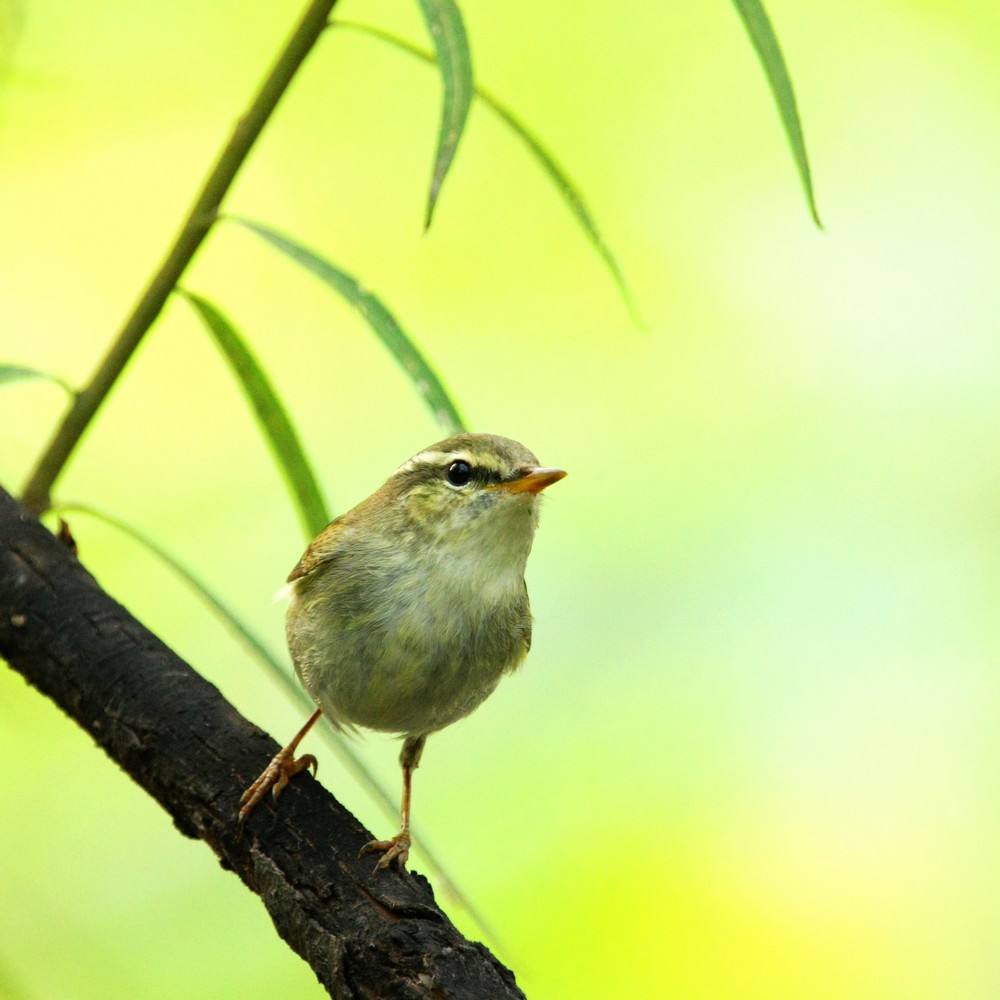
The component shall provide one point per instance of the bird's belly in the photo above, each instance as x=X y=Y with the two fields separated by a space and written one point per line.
x=408 y=674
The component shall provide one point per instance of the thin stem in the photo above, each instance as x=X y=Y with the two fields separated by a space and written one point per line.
x=200 y=219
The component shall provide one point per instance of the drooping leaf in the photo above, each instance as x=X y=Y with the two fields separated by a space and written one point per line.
x=765 y=42
x=20 y=373
x=557 y=174
x=271 y=415
x=447 y=30
x=376 y=316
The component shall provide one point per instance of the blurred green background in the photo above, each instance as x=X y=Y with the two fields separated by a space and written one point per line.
x=754 y=751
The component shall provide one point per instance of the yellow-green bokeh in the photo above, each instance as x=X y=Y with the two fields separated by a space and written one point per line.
x=754 y=752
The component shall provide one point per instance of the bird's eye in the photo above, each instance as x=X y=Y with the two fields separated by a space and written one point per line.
x=459 y=473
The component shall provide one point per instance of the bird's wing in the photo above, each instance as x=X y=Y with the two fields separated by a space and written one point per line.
x=527 y=631
x=324 y=547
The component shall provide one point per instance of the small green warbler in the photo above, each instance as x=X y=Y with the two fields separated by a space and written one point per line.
x=407 y=610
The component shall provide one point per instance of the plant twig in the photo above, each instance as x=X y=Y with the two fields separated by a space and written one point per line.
x=200 y=219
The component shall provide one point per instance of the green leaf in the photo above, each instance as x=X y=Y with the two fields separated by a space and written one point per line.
x=572 y=197
x=378 y=318
x=769 y=52
x=557 y=174
x=444 y=22
x=19 y=373
x=271 y=415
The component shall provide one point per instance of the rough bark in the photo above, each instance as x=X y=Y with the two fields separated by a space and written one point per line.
x=174 y=733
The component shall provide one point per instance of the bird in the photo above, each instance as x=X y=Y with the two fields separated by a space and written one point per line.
x=407 y=611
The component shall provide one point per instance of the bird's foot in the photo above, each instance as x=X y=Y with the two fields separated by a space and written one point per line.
x=275 y=776
x=396 y=850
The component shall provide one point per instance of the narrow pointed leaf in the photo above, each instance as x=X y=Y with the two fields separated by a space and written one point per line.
x=447 y=30
x=19 y=373
x=215 y=604
x=271 y=415
x=557 y=174
x=376 y=316
x=572 y=197
x=765 y=42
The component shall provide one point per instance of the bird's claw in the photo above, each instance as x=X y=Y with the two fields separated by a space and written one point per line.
x=396 y=850
x=275 y=776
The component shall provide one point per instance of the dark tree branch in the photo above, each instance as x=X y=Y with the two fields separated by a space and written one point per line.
x=175 y=734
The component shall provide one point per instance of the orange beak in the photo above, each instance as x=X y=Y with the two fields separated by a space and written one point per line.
x=534 y=481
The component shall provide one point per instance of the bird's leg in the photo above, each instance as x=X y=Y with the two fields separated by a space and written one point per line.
x=283 y=765
x=398 y=849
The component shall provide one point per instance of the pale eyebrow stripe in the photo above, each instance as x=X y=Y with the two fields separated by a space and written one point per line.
x=433 y=458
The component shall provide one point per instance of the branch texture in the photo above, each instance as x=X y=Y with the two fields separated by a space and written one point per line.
x=174 y=733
